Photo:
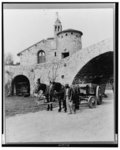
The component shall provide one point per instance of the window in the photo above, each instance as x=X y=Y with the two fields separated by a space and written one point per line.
x=65 y=54
x=71 y=32
x=41 y=56
x=66 y=34
x=65 y=65
x=62 y=76
x=55 y=53
x=55 y=28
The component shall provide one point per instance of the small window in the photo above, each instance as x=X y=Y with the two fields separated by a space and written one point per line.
x=66 y=34
x=55 y=28
x=71 y=32
x=65 y=54
x=62 y=76
x=61 y=36
x=55 y=53
x=65 y=65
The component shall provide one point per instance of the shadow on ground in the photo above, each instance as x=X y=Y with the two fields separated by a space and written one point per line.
x=22 y=105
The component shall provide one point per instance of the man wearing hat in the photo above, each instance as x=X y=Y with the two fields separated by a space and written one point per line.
x=68 y=98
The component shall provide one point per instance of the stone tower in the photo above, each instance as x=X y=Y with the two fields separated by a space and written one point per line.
x=57 y=26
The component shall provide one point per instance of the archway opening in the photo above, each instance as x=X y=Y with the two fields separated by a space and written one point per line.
x=21 y=86
x=99 y=70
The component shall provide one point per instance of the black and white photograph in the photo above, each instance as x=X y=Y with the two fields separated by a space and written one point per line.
x=59 y=74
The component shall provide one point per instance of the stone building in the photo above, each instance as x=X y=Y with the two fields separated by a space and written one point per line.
x=63 y=44
x=59 y=58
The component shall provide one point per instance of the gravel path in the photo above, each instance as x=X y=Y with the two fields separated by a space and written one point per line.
x=86 y=125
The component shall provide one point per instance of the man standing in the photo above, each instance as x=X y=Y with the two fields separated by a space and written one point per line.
x=75 y=97
x=68 y=98
x=50 y=97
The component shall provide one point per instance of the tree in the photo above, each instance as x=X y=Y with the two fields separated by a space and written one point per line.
x=8 y=59
x=8 y=81
x=53 y=73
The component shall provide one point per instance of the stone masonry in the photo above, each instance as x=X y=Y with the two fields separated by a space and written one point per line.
x=68 y=67
x=64 y=58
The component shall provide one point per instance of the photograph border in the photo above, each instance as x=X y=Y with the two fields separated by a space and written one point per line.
x=115 y=41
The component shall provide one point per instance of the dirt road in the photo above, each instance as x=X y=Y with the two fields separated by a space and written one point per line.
x=86 y=125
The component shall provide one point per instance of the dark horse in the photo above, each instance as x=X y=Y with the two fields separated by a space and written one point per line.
x=58 y=91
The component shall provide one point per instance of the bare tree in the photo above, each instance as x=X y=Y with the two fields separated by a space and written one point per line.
x=8 y=59
x=8 y=83
x=53 y=73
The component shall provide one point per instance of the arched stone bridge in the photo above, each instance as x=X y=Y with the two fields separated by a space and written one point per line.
x=95 y=60
x=78 y=60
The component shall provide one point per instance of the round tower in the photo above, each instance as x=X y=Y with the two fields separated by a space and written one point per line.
x=68 y=42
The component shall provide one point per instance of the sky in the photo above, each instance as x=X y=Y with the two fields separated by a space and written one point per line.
x=25 y=27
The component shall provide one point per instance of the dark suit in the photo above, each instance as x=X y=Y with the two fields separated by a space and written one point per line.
x=67 y=98
x=75 y=98
x=49 y=95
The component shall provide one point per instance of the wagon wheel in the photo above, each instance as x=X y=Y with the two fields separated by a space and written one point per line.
x=92 y=102
x=98 y=95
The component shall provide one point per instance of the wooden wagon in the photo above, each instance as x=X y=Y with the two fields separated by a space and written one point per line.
x=92 y=93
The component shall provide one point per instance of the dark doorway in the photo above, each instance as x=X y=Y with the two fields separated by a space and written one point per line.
x=21 y=86
x=66 y=54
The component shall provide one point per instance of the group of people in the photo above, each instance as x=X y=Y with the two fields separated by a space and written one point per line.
x=67 y=96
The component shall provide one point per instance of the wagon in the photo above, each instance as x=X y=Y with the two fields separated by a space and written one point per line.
x=92 y=93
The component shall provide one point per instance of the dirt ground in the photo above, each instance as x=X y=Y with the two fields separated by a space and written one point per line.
x=86 y=125
x=15 y=105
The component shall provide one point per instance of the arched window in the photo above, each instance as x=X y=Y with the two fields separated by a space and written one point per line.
x=41 y=56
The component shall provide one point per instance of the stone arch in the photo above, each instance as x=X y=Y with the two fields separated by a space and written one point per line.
x=83 y=56
x=21 y=85
x=98 y=70
x=41 y=58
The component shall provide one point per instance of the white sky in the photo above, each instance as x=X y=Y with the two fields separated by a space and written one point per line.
x=24 y=27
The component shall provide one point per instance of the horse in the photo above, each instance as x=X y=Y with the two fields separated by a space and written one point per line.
x=59 y=92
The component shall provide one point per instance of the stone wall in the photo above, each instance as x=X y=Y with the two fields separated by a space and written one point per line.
x=80 y=58
x=53 y=48
x=30 y=56
x=68 y=42
x=67 y=68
